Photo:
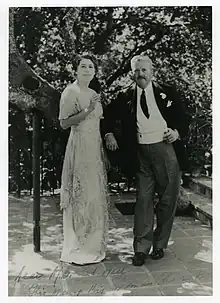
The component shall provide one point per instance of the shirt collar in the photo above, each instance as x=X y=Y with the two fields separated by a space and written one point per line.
x=147 y=89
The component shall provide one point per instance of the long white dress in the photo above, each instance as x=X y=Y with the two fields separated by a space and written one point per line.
x=84 y=197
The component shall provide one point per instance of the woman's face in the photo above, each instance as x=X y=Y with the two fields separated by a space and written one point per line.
x=85 y=70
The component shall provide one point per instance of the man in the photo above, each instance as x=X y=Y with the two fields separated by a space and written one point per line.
x=153 y=126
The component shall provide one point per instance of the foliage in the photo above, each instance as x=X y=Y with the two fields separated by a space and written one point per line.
x=178 y=40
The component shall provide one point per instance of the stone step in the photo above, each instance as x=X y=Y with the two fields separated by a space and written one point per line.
x=202 y=185
x=197 y=205
x=124 y=203
x=202 y=206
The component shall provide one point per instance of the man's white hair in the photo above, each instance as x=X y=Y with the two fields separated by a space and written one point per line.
x=137 y=58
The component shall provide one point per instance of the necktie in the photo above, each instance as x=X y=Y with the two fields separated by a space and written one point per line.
x=143 y=103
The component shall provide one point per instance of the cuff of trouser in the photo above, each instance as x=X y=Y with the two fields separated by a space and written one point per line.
x=159 y=246
x=177 y=133
x=107 y=135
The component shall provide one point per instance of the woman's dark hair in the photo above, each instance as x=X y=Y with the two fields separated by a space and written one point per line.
x=95 y=85
x=79 y=58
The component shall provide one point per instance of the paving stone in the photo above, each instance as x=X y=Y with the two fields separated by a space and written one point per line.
x=172 y=278
x=145 y=291
x=203 y=275
x=165 y=265
x=186 y=250
x=187 y=222
x=209 y=285
x=121 y=268
x=197 y=264
x=11 y=287
x=96 y=292
x=178 y=233
x=187 y=289
x=168 y=254
x=197 y=255
x=132 y=280
x=83 y=271
x=185 y=262
x=92 y=285
x=34 y=287
x=175 y=226
x=199 y=232
x=112 y=257
x=203 y=240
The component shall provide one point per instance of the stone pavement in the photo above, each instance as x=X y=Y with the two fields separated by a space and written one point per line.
x=186 y=269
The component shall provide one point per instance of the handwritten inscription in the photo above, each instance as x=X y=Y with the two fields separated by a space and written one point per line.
x=111 y=271
x=26 y=277
x=58 y=273
x=94 y=289
x=38 y=289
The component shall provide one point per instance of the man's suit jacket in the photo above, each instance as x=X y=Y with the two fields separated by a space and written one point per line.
x=121 y=114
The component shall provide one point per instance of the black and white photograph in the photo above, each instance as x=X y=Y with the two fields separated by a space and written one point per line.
x=110 y=151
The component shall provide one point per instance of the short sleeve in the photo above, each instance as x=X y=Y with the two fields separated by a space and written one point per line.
x=68 y=103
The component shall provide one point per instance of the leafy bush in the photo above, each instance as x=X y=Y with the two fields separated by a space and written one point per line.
x=177 y=39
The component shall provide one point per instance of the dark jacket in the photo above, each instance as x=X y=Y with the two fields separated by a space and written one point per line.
x=120 y=118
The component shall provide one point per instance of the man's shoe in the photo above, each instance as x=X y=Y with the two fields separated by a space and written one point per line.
x=157 y=254
x=139 y=259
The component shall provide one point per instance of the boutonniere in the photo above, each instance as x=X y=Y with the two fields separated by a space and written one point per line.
x=169 y=103
x=163 y=96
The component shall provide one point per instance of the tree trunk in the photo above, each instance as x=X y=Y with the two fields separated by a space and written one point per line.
x=36 y=179
x=18 y=174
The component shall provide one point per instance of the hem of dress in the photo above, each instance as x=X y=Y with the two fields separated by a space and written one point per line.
x=67 y=260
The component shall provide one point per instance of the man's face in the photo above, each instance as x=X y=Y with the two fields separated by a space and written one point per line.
x=142 y=73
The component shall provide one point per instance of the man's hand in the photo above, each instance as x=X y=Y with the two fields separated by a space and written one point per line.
x=170 y=135
x=111 y=142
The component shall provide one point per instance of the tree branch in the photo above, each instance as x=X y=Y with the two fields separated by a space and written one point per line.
x=125 y=65
x=70 y=19
x=101 y=40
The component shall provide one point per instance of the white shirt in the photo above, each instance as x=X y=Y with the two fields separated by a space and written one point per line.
x=149 y=130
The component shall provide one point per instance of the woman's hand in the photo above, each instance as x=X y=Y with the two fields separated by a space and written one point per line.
x=95 y=98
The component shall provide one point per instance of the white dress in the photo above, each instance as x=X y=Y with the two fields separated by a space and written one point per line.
x=84 y=197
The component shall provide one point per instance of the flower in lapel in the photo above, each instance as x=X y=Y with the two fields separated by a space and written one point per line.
x=169 y=103
x=163 y=96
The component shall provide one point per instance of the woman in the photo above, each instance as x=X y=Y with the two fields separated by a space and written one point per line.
x=84 y=184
